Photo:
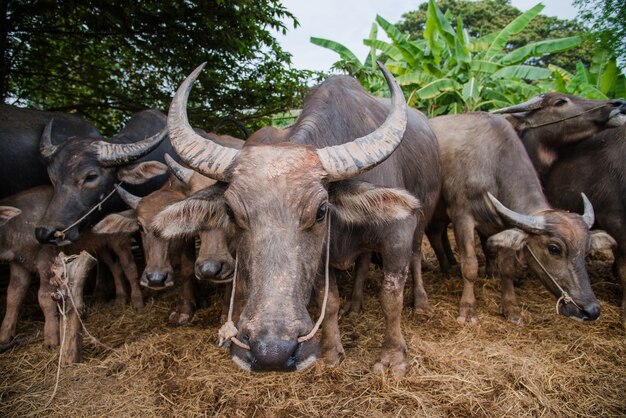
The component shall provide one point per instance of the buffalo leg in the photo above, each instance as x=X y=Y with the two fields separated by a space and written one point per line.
x=123 y=250
x=490 y=262
x=18 y=285
x=464 y=234
x=393 y=353
x=620 y=261
x=421 y=307
x=186 y=305
x=361 y=268
x=505 y=263
x=331 y=337
x=436 y=232
x=121 y=296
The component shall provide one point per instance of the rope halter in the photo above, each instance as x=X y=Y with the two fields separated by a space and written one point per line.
x=228 y=331
x=565 y=297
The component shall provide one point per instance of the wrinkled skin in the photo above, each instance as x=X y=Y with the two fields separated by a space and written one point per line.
x=81 y=179
x=495 y=162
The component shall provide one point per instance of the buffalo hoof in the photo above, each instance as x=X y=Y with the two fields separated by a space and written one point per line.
x=138 y=303
x=513 y=314
x=179 y=318
x=5 y=345
x=394 y=360
x=467 y=314
x=351 y=310
x=331 y=354
x=423 y=314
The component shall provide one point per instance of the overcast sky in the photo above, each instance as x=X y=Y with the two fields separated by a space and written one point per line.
x=349 y=21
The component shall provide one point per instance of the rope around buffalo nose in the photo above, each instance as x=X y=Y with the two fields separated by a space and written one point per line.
x=61 y=234
x=228 y=331
x=565 y=297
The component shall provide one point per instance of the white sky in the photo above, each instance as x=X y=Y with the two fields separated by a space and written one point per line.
x=349 y=21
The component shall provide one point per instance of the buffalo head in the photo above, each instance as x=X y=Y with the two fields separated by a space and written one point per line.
x=551 y=243
x=83 y=171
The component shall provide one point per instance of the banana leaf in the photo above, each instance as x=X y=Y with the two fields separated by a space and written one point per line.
x=536 y=49
x=525 y=72
x=438 y=87
x=516 y=26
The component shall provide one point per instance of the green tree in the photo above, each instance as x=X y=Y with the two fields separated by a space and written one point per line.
x=484 y=17
x=607 y=19
x=106 y=59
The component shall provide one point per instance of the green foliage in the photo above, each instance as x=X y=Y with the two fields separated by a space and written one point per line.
x=600 y=80
x=484 y=17
x=107 y=59
x=607 y=21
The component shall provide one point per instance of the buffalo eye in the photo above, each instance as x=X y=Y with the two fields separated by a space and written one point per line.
x=560 y=102
x=554 y=249
x=230 y=213
x=321 y=213
x=90 y=177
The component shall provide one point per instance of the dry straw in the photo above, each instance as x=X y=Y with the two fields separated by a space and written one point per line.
x=551 y=366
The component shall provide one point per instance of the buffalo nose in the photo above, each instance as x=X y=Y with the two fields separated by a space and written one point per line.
x=44 y=234
x=156 y=278
x=592 y=312
x=618 y=103
x=274 y=354
x=208 y=270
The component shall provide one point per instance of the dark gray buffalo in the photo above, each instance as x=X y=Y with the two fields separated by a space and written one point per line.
x=280 y=191
x=490 y=187
x=85 y=169
x=21 y=165
x=597 y=168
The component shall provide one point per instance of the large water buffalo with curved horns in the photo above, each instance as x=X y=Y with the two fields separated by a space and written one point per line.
x=84 y=170
x=279 y=190
x=21 y=165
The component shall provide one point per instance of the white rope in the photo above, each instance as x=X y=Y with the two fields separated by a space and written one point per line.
x=61 y=234
x=228 y=331
x=565 y=297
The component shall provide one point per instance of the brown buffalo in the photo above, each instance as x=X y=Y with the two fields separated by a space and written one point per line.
x=483 y=155
x=278 y=191
x=19 y=247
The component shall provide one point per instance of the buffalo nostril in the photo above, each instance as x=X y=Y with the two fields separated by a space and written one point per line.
x=156 y=278
x=209 y=270
x=44 y=235
x=592 y=313
x=274 y=354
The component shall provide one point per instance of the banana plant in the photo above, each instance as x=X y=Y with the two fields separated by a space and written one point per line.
x=448 y=71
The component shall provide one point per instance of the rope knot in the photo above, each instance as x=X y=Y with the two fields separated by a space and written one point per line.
x=226 y=333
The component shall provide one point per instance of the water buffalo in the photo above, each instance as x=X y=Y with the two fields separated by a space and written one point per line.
x=21 y=166
x=549 y=123
x=84 y=170
x=19 y=247
x=490 y=186
x=596 y=167
x=278 y=191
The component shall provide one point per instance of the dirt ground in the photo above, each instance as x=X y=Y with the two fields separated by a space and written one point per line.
x=551 y=366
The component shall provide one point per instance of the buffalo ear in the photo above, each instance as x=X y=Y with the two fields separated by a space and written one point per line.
x=122 y=222
x=600 y=240
x=518 y=120
x=141 y=172
x=359 y=202
x=205 y=209
x=513 y=238
x=8 y=212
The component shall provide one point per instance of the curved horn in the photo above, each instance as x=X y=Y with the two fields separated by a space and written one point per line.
x=128 y=198
x=355 y=157
x=110 y=154
x=532 y=104
x=589 y=216
x=528 y=223
x=46 y=148
x=183 y=174
x=200 y=154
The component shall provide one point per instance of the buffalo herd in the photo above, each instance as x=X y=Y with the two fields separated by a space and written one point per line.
x=355 y=178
